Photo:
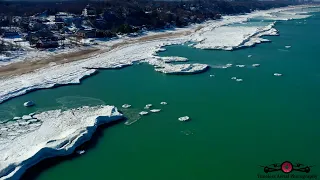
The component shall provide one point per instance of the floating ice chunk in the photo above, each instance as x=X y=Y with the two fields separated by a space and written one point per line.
x=26 y=117
x=287 y=47
x=277 y=74
x=183 y=68
x=184 y=118
x=234 y=78
x=32 y=114
x=155 y=110
x=147 y=106
x=142 y=113
x=255 y=65
x=80 y=152
x=228 y=65
x=211 y=75
x=163 y=103
x=126 y=105
x=173 y=59
x=28 y=104
x=16 y=118
x=161 y=49
x=239 y=80
x=240 y=65
x=249 y=56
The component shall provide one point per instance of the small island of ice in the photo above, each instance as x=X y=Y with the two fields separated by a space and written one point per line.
x=28 y=104
x=182 y=68
x=126 y=106
x=184 y=118
x=277 y=74
x=142 y=113
x=155 y=110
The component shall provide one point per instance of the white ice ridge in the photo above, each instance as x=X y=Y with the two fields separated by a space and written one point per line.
x=60 y=133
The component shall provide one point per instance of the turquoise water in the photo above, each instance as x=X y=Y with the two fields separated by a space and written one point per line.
x=234 y=127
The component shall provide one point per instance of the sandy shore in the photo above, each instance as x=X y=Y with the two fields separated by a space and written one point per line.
x=27 y=66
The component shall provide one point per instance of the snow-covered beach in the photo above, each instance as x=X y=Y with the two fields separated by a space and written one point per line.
x=119 y=56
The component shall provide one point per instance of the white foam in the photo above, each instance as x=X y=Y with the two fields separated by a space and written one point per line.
x=60 y=133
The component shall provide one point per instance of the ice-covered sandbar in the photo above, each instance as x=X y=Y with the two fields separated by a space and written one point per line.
x=59 y=134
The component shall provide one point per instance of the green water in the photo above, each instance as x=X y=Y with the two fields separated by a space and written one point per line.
x=234 y=127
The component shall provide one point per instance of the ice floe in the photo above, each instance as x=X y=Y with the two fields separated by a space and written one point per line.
x=234 y=78
x=184 y=118
x=277 y=74
x=155 y=110
x=182 y=68
x=240 y=65
x=287 y=47
x=170 y=59
x=28 y=104
x=80 y=152
x=142 y=113
x=57 y=133
x=255 y=65
x=126 y=105
x=249 y=56
x=211 y=75
x=163 y=103
x=239 y=80
x=26 y=117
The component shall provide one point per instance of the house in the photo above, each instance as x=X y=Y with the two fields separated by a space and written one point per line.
x=45 y=43
x=9 y=32
x=89 y=11
x=86 y=33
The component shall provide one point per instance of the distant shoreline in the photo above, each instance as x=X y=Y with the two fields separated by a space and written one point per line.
x=27 y=66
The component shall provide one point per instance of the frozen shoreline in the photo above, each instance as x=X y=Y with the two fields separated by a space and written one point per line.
x=126 y=55
x=59 y=134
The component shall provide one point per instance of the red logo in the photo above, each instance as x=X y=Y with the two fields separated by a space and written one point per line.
x=286 y=167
